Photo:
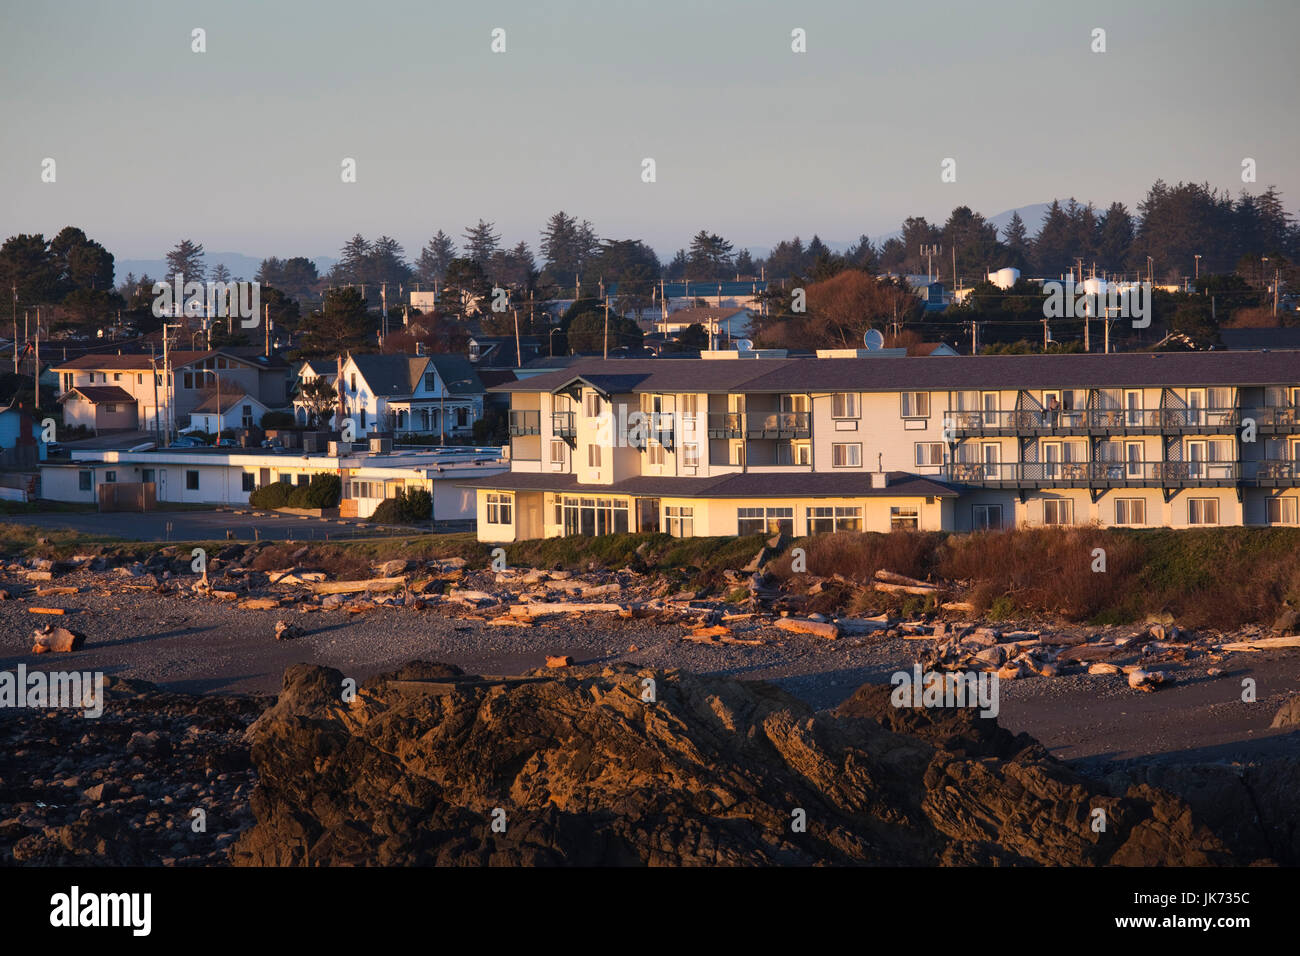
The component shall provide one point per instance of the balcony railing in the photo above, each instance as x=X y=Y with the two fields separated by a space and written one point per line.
x=726 y=424
x=778 y=425
x=1280 y=472
x=1094 y=420
x=562 y=424
x=525 y=423
x=1276 y=418
x=1091 y=474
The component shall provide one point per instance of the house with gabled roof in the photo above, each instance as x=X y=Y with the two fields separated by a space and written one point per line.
x=412 y=394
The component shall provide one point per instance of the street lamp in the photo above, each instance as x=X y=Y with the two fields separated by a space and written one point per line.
x=551 y=341
x=1197 y=257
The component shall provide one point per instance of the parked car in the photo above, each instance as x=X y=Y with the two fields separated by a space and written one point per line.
x=189 y=441
x=227 y=443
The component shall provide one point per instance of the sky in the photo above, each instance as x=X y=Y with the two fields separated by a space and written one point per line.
x=241 y=147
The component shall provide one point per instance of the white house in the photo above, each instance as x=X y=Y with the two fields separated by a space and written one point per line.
x=237 y=410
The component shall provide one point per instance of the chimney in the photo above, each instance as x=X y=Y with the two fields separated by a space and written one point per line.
x=879 y=479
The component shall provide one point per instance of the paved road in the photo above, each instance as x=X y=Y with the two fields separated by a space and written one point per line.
x=200 y=526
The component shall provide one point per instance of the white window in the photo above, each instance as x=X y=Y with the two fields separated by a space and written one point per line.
x=929 y=454
x=110 y=476
x=557 y=451
x=846 y=455
x=844 y=405
x=820 y=520
x=1281 y=510
x=986 y=517
x=1203 y=511
x=689 y=404
x=593 y=456
x=765 y=521
x=110 y=409
x=825 y=519
x=904 y=518
x=1130 y=511
x=1058 y=511
x=591 y=404
x=691 y=455
x=655 y=452
x=736 y=453
x=679 y=521
x=916 y=404
x=794 y=453
x=498 y=508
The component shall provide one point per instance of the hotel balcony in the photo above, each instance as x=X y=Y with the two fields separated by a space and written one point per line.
x=1283 y=420
x=563 y=425
x=1096 y=474
x=759 y=425
x=1271 y=473
x=1096 y=421
x=726 y=425
x=525 y=423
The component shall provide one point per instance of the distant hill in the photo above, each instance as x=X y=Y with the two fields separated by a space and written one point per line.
x=240 y=265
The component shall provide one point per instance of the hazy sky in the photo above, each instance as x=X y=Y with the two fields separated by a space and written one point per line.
x=240 y=147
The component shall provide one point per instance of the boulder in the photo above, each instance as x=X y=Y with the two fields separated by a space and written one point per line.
x=57 y=640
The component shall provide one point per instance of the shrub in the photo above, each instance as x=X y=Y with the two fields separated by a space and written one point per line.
x=278 y=420
x=274 y=495
x=406 y=507
x=323 y=491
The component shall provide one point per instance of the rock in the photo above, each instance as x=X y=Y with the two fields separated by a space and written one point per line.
x=284 y=631
x=707 y=774
x=1147 y=681
x=1288 y=622
x=392 y=568
x=563 y=660
x=57 y=640
x=1288 y=715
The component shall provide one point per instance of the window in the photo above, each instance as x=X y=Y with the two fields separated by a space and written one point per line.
x=187 y=380
x=139 y=380
x=287 y=479
x=825 y=519
x=691 y=455
x=557 y=451
x=904 y=518
x=848 y=518
x=1203 y=511
x=916 y=404
x=430 y=381
x=84 y=479
x=844 y=405
x=498 y=508
x=146 y=474
x=1130 y=511
x=846 y=456
x=794 y=453
x=929 y=454
x=110 y=409
x=689 y=404
x=765 y=521
x=593 y=516
x=352 y=379
x=110 y=476
x=191 y=479
x=117 y=376
x=986 y=517
x=736 y=453
x=1281 y=510
x=655 y=452
x=462 y=417
x=591 y=404
x=679 y=521
x=1057 y=511
x=249 y=481
x=593 y=456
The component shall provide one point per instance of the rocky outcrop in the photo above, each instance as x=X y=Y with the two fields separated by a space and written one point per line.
x=598 y=767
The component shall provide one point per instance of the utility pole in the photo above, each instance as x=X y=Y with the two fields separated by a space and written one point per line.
x=14 y=289
x=519 y=352
x=606 y=329
x=157 y=435
x=35 y=371
x=1276 y=280
x=383 y=305
x=167 y=373
x=266 y=321
x=1197 y=257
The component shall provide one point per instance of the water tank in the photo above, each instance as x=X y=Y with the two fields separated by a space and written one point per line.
x=1004 y=278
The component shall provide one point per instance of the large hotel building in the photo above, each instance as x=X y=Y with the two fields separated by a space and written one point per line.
x=737 y=443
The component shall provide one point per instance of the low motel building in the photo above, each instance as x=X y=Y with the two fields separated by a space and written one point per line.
x=211 y=476
x=712 y=446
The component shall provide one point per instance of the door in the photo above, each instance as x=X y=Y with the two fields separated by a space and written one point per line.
x=1052 y=460
x=1196 y=406
x=1133 y=459
x=992 y=461
x=162 y=484
x=1196 y=459
x=647 y=514
x=1052 y=408
x=991 y=410
x=1133 y=409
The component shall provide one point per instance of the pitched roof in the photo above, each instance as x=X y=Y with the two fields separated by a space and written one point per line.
x=926 y=373
x=143 y=361
x=457 y=372
x=99 y=394
x=750 y=484
x=229 y=399
x=391 y=375
x=1287 y=337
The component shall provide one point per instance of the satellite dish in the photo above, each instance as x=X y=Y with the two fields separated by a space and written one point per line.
x=873 y=340
x=744 y=345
